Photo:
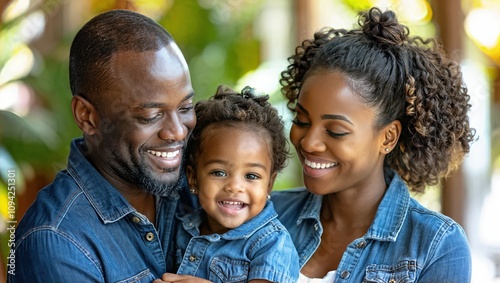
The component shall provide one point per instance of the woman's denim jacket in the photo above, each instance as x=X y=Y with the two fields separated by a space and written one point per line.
x=260 y=248
x=405 y=243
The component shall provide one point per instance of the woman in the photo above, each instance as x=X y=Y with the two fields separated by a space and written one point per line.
x=377 y=113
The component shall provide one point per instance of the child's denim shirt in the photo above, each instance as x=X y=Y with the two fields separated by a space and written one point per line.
x=405 y=243
x=260 y=248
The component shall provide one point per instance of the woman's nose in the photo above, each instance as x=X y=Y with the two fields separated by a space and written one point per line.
x=312 y=141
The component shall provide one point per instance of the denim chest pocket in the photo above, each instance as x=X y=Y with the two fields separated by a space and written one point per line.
x=228 y=270
x=402 y=272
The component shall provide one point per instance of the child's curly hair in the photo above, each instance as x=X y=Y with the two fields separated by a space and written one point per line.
x=245 y=110
x=404 y=78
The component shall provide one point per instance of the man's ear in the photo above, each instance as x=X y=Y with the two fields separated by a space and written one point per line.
x=191 y=178
x=390 y=137
x=85 y=115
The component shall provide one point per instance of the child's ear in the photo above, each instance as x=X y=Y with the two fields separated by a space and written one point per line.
x=191 y=178
x=271 y=182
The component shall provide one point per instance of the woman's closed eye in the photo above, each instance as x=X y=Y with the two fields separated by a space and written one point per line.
x=336 y=134
x=299 y=123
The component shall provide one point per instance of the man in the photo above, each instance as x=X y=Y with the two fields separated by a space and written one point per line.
x=109 y=217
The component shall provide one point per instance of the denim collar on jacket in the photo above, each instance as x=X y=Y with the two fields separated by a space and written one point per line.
x=192 y=222
x=109 y=204
x=390 y=214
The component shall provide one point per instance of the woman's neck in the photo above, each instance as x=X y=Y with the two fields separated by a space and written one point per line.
x=354 y=207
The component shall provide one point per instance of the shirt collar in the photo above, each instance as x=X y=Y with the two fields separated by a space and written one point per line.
x=392 y=210
x=193 y=221
x=109 y=204
x=311 y=209
x=390 y=215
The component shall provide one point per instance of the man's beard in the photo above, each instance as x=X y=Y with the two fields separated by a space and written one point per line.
x=146 y=180
x=157 y=187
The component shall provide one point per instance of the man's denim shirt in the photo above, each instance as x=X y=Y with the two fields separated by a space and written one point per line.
x=405 y=243
x=81 y=229
x=260 y=248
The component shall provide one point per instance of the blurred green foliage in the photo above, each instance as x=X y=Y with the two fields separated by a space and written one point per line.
x=218 y=41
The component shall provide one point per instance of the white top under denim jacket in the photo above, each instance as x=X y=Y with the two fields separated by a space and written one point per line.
x=260 y=248
x=405 y=243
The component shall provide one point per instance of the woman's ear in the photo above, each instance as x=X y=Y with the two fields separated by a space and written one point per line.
x=390 y=137
x=85 y=115
x=191 y=178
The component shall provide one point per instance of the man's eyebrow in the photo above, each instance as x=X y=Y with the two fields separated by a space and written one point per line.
x=336 y=117
x=160 y=105
x=189 y=96
x=150 y=105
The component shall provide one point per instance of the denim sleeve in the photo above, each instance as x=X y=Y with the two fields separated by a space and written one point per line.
x=449 y=258
x=46 y=255
x=275 y=259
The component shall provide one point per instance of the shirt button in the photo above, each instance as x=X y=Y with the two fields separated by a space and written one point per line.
x=344 y=274
x=316 y=227
x=136 y=219
x=392 y=281
x=361 y=245
x=192 y=258
x=150 y=236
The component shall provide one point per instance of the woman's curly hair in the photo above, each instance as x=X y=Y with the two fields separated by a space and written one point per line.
x=246 y=110
x=403 y=78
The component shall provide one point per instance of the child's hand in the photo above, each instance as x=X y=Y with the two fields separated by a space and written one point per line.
x=171 y=278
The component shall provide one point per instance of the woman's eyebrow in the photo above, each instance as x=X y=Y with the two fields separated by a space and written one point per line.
x=326 y=116
x=337 y=117
x=302 y=108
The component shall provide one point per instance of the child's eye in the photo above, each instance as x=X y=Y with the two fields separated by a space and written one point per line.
x=218 y=173
x=252 y=176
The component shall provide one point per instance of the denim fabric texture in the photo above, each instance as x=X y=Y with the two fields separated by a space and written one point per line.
x=260 y=248
x=405 y=243
x=81 y=229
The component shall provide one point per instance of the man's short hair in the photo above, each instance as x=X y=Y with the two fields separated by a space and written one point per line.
x=103 y=36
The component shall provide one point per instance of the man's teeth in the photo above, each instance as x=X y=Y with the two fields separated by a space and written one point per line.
x=315 y=165
x=164 y=154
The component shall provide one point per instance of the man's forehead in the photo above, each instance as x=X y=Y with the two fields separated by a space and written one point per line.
x=167 y=56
